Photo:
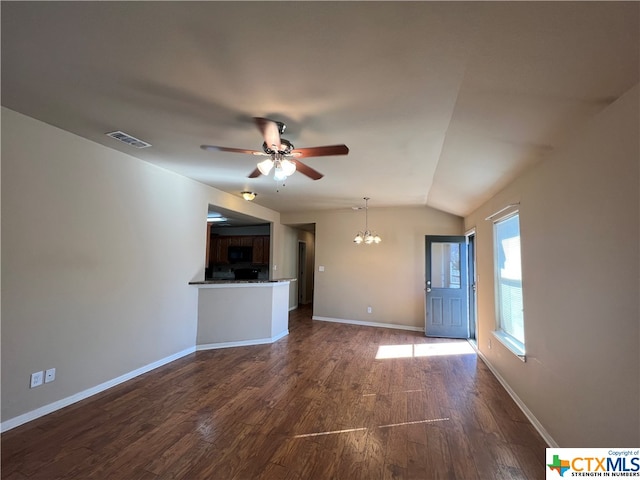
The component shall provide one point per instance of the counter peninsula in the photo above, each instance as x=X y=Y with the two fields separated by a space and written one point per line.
x=233 y=313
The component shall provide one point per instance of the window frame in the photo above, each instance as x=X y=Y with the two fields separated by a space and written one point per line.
x=513 y=344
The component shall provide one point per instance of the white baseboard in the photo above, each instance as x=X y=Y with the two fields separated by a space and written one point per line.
x=368 y=324
x=242 y=343
x=532 y=418
x=65 y=402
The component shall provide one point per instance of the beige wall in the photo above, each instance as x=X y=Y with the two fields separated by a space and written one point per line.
x=244 y=314
x=97 y=252
x=389 y=276
x=284 y=250
x=579 y=219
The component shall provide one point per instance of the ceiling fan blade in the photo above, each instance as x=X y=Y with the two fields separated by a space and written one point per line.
x=325 y=151
x=256 y=173
x=307 y=170
x=214 y=148
x=270 y=131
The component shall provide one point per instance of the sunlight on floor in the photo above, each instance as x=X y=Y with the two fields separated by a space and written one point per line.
x=364 y=429
x=424 y=350
x=333 y=432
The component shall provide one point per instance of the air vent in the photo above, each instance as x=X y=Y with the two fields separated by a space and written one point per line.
x=128 y=139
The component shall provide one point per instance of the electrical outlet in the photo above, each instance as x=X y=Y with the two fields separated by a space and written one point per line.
x=36 y=379
x=369 y=309
x=49 y=375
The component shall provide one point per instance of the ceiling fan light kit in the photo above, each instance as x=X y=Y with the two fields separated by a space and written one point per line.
x=367 y=237
x=283 y=167
x=265 y=166
x=282 y=156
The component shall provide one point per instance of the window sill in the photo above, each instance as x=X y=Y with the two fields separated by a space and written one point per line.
x=512 y=345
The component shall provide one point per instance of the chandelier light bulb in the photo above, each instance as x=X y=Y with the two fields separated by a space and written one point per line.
x=368 y=238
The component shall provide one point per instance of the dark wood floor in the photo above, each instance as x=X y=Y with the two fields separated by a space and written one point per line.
x=314 y=405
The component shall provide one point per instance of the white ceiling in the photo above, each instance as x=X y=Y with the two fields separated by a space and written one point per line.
x=440 y=103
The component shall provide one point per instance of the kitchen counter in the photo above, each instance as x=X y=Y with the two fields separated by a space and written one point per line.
x=232 y=282
x=233 y=313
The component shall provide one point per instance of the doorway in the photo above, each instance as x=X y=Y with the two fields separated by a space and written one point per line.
x=302 y=273
x=446 y=287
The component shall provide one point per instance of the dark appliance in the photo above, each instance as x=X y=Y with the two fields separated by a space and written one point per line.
x=240 y=254
x=246 y=273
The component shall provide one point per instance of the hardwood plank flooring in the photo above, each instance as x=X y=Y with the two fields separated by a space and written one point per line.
x=317 y=404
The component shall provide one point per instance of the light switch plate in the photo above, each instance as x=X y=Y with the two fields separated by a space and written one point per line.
x=36 y=379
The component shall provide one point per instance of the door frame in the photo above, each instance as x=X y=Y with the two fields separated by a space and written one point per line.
x=472 y=284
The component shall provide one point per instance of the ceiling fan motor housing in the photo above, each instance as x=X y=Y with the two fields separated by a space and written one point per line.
x=288 y=146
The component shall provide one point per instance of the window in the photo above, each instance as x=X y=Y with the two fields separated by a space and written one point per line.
x=509 y=283
x=445 y=265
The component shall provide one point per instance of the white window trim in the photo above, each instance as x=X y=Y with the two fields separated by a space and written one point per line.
x=513 y=345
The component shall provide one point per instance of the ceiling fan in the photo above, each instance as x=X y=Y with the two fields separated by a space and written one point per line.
x=281 y=153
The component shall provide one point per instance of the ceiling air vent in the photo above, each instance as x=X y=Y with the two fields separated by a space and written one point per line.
x=128 y=139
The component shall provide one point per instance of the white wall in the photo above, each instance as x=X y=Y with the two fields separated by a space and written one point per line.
x=97 y=252
x=389 y=276
x=579 y=218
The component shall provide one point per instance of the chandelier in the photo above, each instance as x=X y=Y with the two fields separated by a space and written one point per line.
x=368 y=237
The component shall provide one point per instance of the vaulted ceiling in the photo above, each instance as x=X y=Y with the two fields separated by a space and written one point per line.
x=440 y=103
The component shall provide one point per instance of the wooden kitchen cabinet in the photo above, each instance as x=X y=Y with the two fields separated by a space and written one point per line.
x=208 y=250
x=247 y=241
x=219 y=247
x=223 y=249
x=258 y=250
x=265 y=249
x=234 y=241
